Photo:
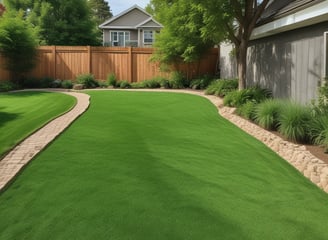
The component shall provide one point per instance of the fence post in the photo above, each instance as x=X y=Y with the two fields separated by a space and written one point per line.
x=53 y=55
x=130 y=65
x=89 y=60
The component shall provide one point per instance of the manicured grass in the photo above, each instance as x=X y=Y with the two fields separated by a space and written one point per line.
x=22 y=113
x=160 y=166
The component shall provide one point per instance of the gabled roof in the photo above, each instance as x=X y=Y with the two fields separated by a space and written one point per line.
x=144 y=20
x=285 y=15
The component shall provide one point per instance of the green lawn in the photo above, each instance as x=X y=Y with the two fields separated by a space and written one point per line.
x=160 y=166
x=22 y=113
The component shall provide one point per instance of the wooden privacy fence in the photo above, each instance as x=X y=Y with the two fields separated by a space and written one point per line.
x=131 y=64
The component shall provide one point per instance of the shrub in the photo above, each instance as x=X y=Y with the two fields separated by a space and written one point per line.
x=294 y=122
x=124 y=84
x=237 y=98
x=153 y=83
x=318 y=130
x=202 y=82
x=87 y=80
x=112 y=80
x=267 y=113
x=247 y=110
x=31 y=82
x=56 y=83
x=136 y=85
x=165 y=83
x=222 y=87
x=178 y=80
x=68 y=84
x=6 y=86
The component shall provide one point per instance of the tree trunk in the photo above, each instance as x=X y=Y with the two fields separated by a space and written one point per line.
x=241 y=63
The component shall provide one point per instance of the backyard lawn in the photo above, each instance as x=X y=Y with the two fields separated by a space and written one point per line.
x=157 y=166
x=22 y=113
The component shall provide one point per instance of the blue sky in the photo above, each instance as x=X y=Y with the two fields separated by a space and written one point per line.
x=118 y=6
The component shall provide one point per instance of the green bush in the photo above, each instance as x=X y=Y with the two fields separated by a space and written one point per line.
x=202 y=82
x=31 y=82
x=68 y=84
x=136 y=85
x=87 y=80
x=222 y=87
x=178 y=80
x=267 y=113
x=153 y=83
x=56 y=83
x=318 y=130
x=112 y=80
x=165 y=83
x=124 y=84
x=247 y=110
x=294 y=122
x=6 y=86
x=237 y=98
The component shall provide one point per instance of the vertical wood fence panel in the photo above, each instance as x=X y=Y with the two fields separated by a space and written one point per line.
x=131 y=64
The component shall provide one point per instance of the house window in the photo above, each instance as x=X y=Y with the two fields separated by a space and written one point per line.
x=148 y=36
x=119 y=38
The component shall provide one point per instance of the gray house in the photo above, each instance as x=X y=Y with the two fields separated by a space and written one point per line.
x=288 y=51
x=133 y=27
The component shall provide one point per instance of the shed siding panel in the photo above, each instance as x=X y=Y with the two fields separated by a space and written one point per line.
x=290 y=63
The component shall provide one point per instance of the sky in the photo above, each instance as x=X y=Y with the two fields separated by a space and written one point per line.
x=118 y=6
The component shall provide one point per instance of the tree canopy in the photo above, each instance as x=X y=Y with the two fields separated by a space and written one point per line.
x=190 y=26
x=59 y=22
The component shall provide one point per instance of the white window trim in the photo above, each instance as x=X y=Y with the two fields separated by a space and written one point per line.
x=117 y=35
x=153 y=37
x=325 y=60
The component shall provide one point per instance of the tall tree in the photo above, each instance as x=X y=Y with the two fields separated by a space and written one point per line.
x=17 y=44
x=100 y=10
x=220 y=20
x=59 y=22
x=180 y=39
x=237 y=20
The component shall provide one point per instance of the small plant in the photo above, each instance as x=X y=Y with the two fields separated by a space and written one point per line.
x=124 y=84
x=136 y=85
x=222 y=87
x=112 y=80
x=238 y=98
x=267 y=113
x=247 y=110
x=318 y=131
x=165 y=83
x=68 y=84
x=178 y=80
x=153 y=83
x=294 y=122
x=6 y=86
x=202 y=82
x=45 y=82
x=87 y=80
x=56 y=83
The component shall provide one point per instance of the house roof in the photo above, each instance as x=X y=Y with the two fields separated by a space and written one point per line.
x=286 y=15
x=132 y=18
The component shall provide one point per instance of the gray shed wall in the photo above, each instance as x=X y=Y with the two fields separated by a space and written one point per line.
x=291 y=64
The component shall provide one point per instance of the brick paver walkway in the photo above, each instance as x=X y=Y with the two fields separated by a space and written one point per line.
x=15 y=160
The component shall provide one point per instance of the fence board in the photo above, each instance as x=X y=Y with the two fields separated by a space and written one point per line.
x=131 y=64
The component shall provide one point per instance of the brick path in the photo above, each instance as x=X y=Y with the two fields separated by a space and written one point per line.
x=20 y=156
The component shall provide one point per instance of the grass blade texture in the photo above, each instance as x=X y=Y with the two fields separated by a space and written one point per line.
x=158 y=166
x=21 y=113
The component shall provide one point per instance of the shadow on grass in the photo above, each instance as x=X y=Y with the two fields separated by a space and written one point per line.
x=7 y=117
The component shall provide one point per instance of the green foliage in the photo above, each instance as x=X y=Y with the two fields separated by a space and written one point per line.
x=32 y=82
x=112 y=80
x=178 y=80
x=68 y=84
x=321 y=105
x=123 y=84
x=294 y=122
x=100 y=11
x=87 y=80
x=152 y=83
x=318 y=130
x=17 y=45
x=247 y=110
x=201 y=82
x=267 y=113
x=222 y=87
x=181 y=39
x=238 y=98
x=59 y=22
x=6 y=86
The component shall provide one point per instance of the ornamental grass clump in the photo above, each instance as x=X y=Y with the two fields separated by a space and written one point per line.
x=318 y=131
x=294 y=122
x=267 y=113
x=222 y=87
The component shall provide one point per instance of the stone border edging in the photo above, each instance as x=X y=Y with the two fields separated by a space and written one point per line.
x=24 y=152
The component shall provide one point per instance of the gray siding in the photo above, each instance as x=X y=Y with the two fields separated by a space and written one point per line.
x=130 y=19
x=291 y=64
x=228 y=64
